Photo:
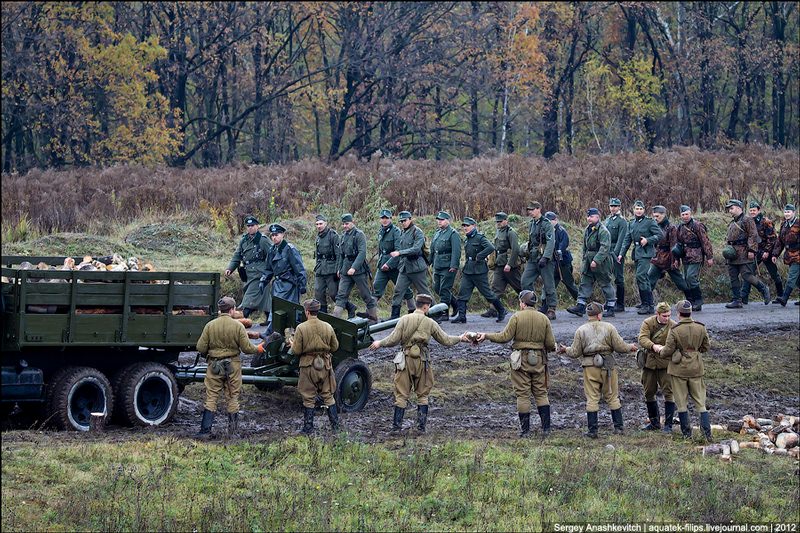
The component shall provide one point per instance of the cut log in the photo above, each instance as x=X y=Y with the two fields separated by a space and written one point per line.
x=734 y=446
x=736 y=426
x=764 y=421
x=787 y=440
x=795 y=452
x=253 y=335
x=97 y=422
x=238 y=314
x=714 y=449
x=753 y=445
x=246 y=322
x=776 y=431
x=750 y=422
x=779 y=451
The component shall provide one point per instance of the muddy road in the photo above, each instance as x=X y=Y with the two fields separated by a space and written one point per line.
x=753 y=368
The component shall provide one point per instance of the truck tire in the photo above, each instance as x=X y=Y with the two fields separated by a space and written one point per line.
x=146 y=394
x=74 y=393
x=353 y=384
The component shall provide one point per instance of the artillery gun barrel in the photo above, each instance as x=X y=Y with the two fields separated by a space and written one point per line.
x=437 y=309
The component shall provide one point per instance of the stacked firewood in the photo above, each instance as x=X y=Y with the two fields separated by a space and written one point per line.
x=777 y=436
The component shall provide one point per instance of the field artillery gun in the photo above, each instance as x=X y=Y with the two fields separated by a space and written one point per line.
x=277 y=366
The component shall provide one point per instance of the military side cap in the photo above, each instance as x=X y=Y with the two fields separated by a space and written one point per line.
x=404 y=215
x=615 y=202
x=592 y=211
x=424 y=299
x=550 y=215
x=594 y=309
x=638 y=203
x=251 y=221
x=659 y=209
x=347 y=217
x=226 y=304
x=468 y=221
x=500 y=216
x=385 y=213
x=534 y=205
x=528 y=298
x=443 y=215
x=311 y=305
x=754 y=203
x=789 y=207
x=662 y=307
x=684 y=307
x=733 y=202
x=276 y=228
x=321 y=218
x=685 y=208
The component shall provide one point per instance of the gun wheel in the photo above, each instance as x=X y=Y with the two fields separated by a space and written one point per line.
x=353 y=384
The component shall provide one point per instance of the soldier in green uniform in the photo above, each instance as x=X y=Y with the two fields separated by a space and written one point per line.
x=220 y=343
x=252 y=253
x=285 y=270
x=507 y=269
x=665 y=259
x=643 y=233
x=474 y=274
x=326 y=255
x=740 y=254
x=684 y=345
x=541 y=250
x=314 y=341
x=413 y=266
x=353 y=269
x=594 y=344
x=563 y=260
x=767 y=236
x=789 y=240
x=533 y=339
x=694 y=247
x=652 y=336
x=413 y=369
x=617 y=226
x=598 y=265
x=445 y=258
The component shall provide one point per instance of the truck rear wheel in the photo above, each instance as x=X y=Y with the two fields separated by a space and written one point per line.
x=74 y=393
x=353 y=383
x=146 y=394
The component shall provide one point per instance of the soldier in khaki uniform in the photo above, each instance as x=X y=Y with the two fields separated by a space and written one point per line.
x=413 y=265
x=413 y=367
x=506 y=264
x=353 y=269
x=617 y=226
x=220 y=343
x=740 y=254
x=652 y=336
x=788 y=239
x=533 y=339
x=767 y=236
x=685 y=343
x=314 y=341
x=594 y=344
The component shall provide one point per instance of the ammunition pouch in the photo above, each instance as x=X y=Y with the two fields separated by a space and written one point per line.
x=242 y=274
x=399 y=361
x=641 y=357
x=598 y=360
x=412 y=351
x=221 y=367
x=533 y=358
x=516 y=359
x=318 y=363
x=677 y=357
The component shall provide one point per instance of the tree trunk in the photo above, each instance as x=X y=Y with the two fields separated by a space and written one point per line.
x=474 y=122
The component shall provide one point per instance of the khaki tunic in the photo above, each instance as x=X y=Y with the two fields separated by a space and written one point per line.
x=311 y=338
x=224 y=338
x=690 y=339
x=413 y=332
x=597 y=337
x=654 y=373
x=531 y=331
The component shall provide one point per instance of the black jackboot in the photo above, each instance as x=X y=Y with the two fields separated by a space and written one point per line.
x=351 y=310
x=397 y=423
x=233 y=424
x=524 y=424
x=333 y=417
x=616 y=417
x=501 y=310
x=454 y=305
x=669 y=415
x=697 y=300
x=652 y=414
x=764 y=290
x=395 y=312
x=544 y=415
x=461 y=317
x=591 y=419
x=422 y=417
x=577 y=309
x=323 y=308
x=686 y=429
x=608 y=310
x=779 y=287
x=308 y=421
x=205 y=424
x=619 y=307
x=647 y=303
x=705 y=425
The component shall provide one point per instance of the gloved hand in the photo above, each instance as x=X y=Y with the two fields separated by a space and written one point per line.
x=559 y=255
x=543 y=262
x=261 y=348
x=303 y=289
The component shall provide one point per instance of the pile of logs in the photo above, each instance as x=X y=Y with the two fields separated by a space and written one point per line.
x=779 y=436
x=111 y=263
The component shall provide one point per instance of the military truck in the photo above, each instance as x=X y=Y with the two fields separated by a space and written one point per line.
x=83 y=342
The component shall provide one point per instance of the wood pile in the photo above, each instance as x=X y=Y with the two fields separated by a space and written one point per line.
x=777 y=436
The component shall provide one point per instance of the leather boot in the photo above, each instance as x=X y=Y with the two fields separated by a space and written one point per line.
x=652 y=414
x=524 y=424
x=619 y=307
x=764 y=290
x=338 y=312
x=323 y=308
x=372 y=315
x=578 y=309
x=395 y=312
x=454 y=305
x=333 y=417
x=397 y=422
x=779 y=287
x=308 y=421
x=616 y=417
x=246 y=312
x=205 y=425
x=647 y=303
x=461 y=317
x=734 y=304
x=233 y=424
x=422 y=417
x=411 y=305
x=697 y=302
x=351 y=310
x=669 y=416
x=501 y=310
x=686 y=429
x=608 y=311
x=544 y=416
x=489 y=313
x=551 y=313
x=705 y=425
x=543 y=308
x=780 y=300
x=591 y=419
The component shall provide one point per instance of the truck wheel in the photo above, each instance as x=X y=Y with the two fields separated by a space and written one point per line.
x=353 y=383
x=74 y=393
x=146 y=394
